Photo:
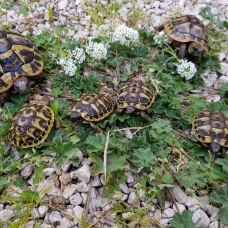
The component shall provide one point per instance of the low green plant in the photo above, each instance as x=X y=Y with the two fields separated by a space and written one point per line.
x=158 y=150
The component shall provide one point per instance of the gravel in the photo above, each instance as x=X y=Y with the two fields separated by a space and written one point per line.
x=76 y=191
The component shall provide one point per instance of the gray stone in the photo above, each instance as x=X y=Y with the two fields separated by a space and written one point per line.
x=62 y=4
x=48 y=171
x=191 y=201
x=130 y=177
x=69 y=190
x=224 y=68
x=179 y=194
x=220 y=81
x=65 y=167
x=180 y=207
x=157 y=214
x=29 y=224
x=78 y=211
x=127 y=215
x=83 y=173
x=76 y=199
x=214 y=217
x=6 y=214
x=132 y=198
x=43 y=209
x=124 y=188
x=55 y=216
x=84 y=198
x=96 y=182
x=27 y=171
x=163 y=5
x=65 y=223
x=169 y=212
x=65 y=179
x=200 y=214
x=210 y=209
x=214 y=225
x=82 y=187
x=204 y=201
x=221 y=56
x=35 y=213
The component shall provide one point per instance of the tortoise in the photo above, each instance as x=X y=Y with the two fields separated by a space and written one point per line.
x=188 y=34
x=211 y=129
x=135 y=96
x=31 y=126
x=91 y=107
x=19 y=59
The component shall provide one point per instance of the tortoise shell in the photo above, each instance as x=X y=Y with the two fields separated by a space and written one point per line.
x=187 y=28
x=31 y=126
x=136 y=94
x=18 y=57
x=211 y=127
x=92 y=107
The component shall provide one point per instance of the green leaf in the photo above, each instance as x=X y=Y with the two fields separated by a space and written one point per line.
x=182 y=220
x=4 y=127
x=144 y=157
x=223 y=214
x=140 y=51
x=193 y=175
x=38 y=175
x=96 y=143
x=223 y=162
x=114 y=163
x=224 y=88
x=4 y=181
x=29 y=196
x=167 y=178
x=161 y=126
x=220 y=196
x=19 y=182
x=216 y=172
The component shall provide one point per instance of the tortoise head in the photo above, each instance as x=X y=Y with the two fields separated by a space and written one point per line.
x=75 y=116
x=22 y=85
x=130 y=109
x=195 y=49
x=215 y=147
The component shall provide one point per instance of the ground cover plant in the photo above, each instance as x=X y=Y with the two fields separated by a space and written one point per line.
x=158 y=150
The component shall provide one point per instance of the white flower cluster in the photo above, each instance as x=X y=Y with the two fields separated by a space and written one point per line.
x=71 y=59
x=96 y=50
x=126 y=36
x=186 y=69
x=161 y=38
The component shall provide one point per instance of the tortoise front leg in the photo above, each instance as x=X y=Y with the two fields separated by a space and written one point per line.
x=4 y=97
x=159 y=28
x=94 y=126
x=223 y=153
x=182 y=50
x=143 y=115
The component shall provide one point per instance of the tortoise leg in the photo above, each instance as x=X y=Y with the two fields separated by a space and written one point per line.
x=159 y=28
x=119 y=110
x=4 y=97
x=143 y=115
x=182 y=50
x=223 y=153
x=94 y=126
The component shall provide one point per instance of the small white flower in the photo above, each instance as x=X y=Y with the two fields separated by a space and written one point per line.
x=161 y=38
x=126 y=36
x=71 y=59
x=186 y=69
x=96 y=50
